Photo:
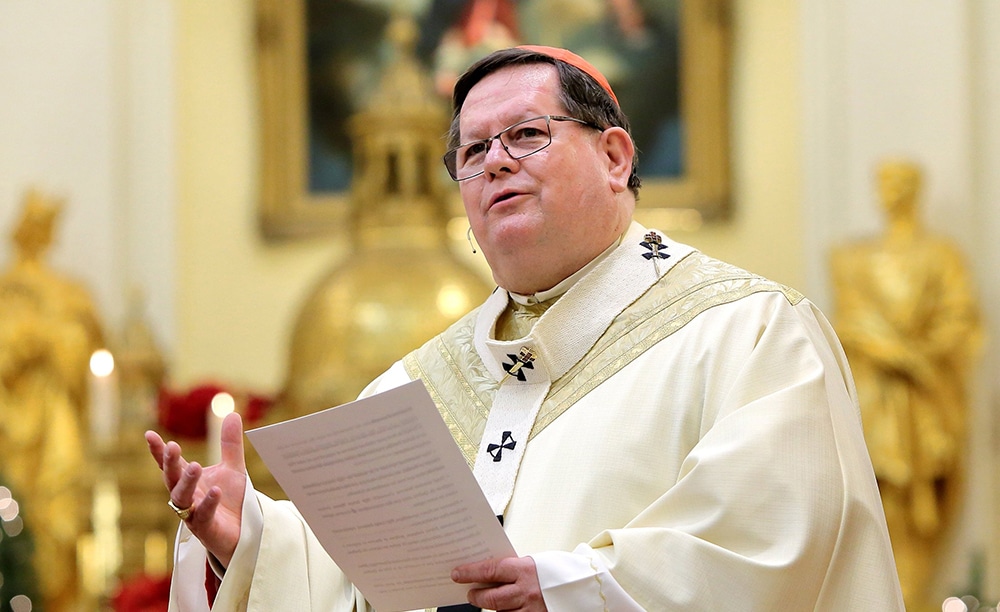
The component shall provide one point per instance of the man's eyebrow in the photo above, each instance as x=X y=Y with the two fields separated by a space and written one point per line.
x=511 y=120
x=467 y=139
x=465 y=134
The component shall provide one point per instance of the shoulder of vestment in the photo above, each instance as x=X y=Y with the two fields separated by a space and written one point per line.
x=463 y=389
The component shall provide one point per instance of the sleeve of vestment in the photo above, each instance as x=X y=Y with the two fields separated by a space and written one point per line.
x=278 y=565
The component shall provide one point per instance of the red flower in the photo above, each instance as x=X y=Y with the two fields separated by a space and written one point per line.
x=186 y=414
x=257 y=407
x=143 y=593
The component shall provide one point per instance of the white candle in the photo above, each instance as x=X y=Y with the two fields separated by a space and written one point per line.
x=103 y=397
x=222 y=404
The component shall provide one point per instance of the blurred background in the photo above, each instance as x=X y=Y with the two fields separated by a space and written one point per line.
x=131 y=156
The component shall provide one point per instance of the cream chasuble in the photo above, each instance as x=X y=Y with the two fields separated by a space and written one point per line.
x=524 y=369
x=686 y=438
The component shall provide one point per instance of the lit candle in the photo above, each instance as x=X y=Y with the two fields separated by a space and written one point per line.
x=222 y=404
x=103 y=396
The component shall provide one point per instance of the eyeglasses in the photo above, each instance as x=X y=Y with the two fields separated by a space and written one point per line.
x=520 y=140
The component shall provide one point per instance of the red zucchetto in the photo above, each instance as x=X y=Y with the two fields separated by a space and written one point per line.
x=573 y=60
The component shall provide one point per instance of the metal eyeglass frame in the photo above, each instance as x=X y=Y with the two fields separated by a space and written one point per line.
x=450 y=158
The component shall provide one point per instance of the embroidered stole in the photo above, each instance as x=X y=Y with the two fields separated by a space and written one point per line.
x=495 y=396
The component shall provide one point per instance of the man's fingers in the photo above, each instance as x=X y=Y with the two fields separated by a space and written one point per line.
x=204 y=512
x=173 y=463
x=504 y=597
x=502 y=584
x=232 y=443
x=182 y=494
x=487 y=571
x=155 y=444
x=468 y=574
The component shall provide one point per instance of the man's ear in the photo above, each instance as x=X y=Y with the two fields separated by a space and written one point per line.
x=620 y=151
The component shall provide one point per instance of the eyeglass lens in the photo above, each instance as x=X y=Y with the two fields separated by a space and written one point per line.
x=519 y=140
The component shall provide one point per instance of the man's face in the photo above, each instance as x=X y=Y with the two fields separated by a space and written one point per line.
x=543 y=217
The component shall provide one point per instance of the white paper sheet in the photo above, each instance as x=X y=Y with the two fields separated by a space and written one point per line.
x=389 y=495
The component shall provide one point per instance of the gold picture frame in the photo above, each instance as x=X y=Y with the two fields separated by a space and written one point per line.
x=289 y=207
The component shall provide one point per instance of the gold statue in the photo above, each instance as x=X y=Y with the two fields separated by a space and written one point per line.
x=908 y=319
x=48 y=330
x=400 y=284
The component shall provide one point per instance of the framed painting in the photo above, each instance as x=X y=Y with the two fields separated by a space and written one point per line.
x=318 y=60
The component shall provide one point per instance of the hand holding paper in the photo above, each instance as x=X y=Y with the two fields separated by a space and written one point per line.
x=389 y=495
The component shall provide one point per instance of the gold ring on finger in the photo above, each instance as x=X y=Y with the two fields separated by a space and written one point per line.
x=182 y=513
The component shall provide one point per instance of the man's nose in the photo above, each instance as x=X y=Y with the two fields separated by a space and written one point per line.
x=498 y=158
